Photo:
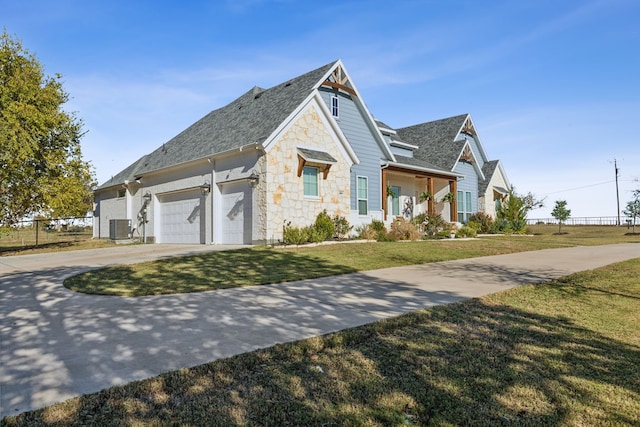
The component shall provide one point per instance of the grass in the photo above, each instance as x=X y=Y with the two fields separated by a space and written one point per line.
x=561 y=353
x=257 y=266
x=59 y=246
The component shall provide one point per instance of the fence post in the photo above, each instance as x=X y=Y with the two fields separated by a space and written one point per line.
x=36 y=223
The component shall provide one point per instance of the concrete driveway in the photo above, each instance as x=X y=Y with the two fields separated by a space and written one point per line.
x=56 y=344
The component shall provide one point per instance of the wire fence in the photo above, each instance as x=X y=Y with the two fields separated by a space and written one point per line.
x=585 y=220
x=38 y=232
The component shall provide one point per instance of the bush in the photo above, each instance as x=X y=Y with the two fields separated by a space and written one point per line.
x=366 y=232
x=383 y=236
x=484 y=220
x=378 y=225
x=324 y=225
x=431 y=224
x=295 y=235
x=466 y=231
x=341 y=227
x=402 y=229
x=314 y=235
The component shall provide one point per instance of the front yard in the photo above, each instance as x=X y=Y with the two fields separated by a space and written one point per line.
x=560 y=353
x=261 y=265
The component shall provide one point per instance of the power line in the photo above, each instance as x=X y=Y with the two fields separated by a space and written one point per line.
x=580 y=188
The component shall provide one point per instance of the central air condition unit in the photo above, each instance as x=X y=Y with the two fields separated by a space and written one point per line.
x=119 y=229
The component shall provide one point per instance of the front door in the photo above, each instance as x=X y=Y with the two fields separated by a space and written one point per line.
x=395 y=201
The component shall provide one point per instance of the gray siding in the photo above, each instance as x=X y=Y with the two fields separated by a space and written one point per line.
x=469 y=183
x=360 y=136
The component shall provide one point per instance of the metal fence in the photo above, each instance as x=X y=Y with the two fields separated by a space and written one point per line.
x=37 y=232
x=585 y=220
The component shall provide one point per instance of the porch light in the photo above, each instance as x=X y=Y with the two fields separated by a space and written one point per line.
x=147 y=197
x=254 y=178
x=205 y=188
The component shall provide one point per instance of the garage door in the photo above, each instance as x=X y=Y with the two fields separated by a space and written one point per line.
x=236 y=213
x=182 y=218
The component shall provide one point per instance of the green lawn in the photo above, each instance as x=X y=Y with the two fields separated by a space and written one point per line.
x=561 y=353
x=261 y=265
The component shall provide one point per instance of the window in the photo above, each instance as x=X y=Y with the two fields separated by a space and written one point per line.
x=122 y=192
x=310 y=181
x=395 y=201
x=334 y=106
x=464 y=206
x=363 y=195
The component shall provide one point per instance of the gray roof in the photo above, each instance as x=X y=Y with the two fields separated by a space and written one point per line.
x=248 y=120
x=488 y=169
x=316 y=156
x=413 y=162
x=436 y=140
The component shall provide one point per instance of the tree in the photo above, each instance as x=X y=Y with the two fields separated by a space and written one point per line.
x=41 y=166
x=633 y=208
x=512 y=212
x=561 y=213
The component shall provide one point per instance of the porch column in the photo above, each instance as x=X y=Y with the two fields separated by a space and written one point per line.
x=384 y=193
x=431 y=205
x=453 y=206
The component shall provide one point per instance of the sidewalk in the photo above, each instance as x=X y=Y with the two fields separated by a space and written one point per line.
x=56 y=344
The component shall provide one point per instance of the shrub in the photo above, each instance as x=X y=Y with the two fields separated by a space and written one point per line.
x=314 y=234
x=341 y=227
x=383 y=236
x=484 y=220
x=378 y=225
x=474 y=224
x=324 y=225
x=431 y=224
x=295 y=235
x=366 y=232
x=466 y=231
x=402 y=229
x=501 y=225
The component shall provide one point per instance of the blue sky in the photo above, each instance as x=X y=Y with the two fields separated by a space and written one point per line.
x=552 y=85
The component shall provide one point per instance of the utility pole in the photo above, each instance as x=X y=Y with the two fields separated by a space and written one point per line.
x=615 y=165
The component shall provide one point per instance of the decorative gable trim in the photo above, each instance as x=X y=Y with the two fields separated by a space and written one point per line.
x=468 y=128
x=340 y=73
x=338 y=79
x=467 y=155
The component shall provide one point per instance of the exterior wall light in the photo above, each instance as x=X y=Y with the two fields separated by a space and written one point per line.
x=147 y=197
x=205 y=188
x=254 y=178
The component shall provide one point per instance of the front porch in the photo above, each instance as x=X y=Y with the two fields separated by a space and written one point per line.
x=409 y=192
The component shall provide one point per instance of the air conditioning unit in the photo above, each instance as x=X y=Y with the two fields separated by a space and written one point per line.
x=119 y=229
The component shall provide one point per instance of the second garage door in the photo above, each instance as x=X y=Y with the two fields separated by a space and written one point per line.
x=236 y=213
x=182 y=217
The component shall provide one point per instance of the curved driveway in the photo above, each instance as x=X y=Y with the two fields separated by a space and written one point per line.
x=56 y=344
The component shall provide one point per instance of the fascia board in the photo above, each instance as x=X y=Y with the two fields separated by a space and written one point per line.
x=428 y=170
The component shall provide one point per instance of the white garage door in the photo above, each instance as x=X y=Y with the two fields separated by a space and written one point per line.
x=236 y=213
x=182 y=218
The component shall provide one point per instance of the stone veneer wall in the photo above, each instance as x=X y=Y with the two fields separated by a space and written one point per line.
x=284 y=189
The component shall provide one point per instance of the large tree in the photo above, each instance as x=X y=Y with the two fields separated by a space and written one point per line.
x=41 y=166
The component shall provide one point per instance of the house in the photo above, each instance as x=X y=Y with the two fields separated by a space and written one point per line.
x=283 y=154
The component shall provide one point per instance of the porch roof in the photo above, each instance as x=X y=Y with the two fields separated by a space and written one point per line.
x=418 y=165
